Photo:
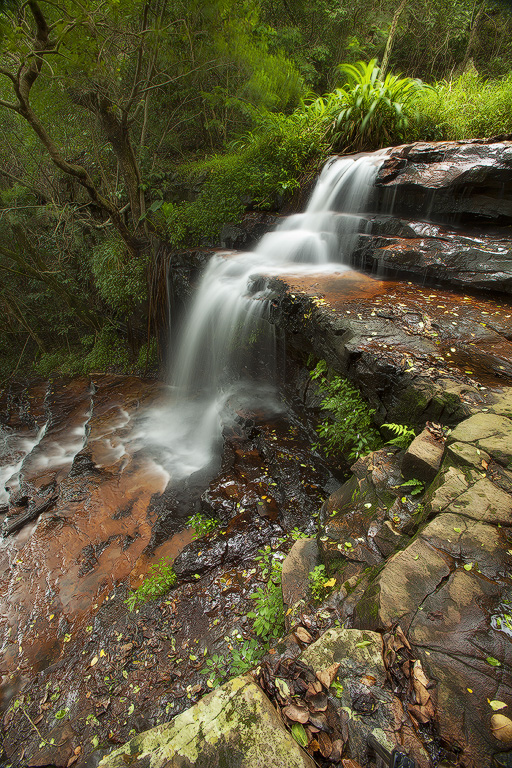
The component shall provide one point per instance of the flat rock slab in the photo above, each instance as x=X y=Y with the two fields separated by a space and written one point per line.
x=235 y=726
x=489 y=432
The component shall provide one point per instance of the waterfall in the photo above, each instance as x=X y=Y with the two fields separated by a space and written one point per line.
x=226 y=351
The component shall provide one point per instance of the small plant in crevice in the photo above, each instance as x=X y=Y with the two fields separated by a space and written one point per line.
x=350 y=428
x=268 y=613
x=415 y=485
x=403 y=435
x=203 y=525
x=161 y=577
x=319 y=584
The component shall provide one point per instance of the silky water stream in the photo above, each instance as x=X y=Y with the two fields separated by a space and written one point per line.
x=112 y=468
x=227 y=354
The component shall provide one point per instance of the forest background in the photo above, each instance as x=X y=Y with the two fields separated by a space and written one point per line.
x=135 y=129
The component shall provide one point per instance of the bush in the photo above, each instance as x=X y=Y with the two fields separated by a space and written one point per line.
x=349 y=430
x=372 y=112
x=465 y=108
x=257 y=171
x=160 y=579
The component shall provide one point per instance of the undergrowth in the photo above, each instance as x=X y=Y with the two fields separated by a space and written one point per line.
x=349 y=428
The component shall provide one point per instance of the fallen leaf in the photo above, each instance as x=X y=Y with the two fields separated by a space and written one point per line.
x=299 y=734
x=326 y=676
x=283 y=687
x=303 y=635
x=493 y=662
x=317 y=702
x=325 y=744
x=496 y=705
x=368 y=680
x=330 y=583
x=501 y=727
x=296 y=714
x=94 y=661
x=72 y=760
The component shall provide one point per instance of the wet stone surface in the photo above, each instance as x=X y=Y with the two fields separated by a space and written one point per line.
x=80 y=673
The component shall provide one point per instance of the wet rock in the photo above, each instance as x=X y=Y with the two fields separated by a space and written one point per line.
x=388 y=540
x=362 y=673
x=465 y=454
x=301 y=559
x=423 y=457
x=235 y=726
x=431 y=176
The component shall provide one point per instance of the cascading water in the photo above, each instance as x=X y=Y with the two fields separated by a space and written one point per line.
x=215 y=362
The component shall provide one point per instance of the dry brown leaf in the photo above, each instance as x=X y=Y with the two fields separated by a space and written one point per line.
x=403 y=638
x=313 y=746
x=325 y=744
x=418 y=714
x=501 y=728
x=303 y=635
x=349 y=763
x=484 y=464
x=326 y=676
x=368 y=680
x=296 y=714
x=72 y=760
x=317 y=702
x=419 y=674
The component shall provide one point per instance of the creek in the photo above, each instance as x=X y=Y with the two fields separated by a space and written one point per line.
x=102 y=474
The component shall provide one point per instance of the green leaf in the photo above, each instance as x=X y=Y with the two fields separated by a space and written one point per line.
x=61 y=714
x=299 y=734
x=493 y=662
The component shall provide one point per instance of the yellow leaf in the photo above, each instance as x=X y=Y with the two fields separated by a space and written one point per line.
x=288 y=611
x=330 y=583
x=469 y=690
x=496 y=705
x=102 y=653
x=94 y=661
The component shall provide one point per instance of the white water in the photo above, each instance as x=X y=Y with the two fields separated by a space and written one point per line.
x=225 y=359
x=226 y=355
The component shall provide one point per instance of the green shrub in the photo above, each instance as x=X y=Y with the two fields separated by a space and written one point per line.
x=319 y=584
x=349 y=430
x=465 y=108
x=160 y=579
x=107 y=350
x=120 y=279
x=268 y=613
x=258 y=169
x=372 y=112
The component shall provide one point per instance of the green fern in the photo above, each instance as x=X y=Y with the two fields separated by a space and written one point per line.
x=403 y=435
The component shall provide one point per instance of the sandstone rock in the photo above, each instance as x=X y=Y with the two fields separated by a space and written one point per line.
x=388 y=539
x=363 y=676
x=423 y=457
x=480 y=427
x=236 y=726
x=402 y=585
x=485 y=501
x=466 y=454
x=301 y=559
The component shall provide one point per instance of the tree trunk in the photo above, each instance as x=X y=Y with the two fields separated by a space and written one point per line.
x=390 y=40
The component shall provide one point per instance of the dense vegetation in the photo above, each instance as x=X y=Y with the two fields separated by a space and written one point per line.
x=134 y=123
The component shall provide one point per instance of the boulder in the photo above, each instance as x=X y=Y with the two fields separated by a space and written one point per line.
x=301 y=559
x=235 y=726
x=423 y=457
x=363 y=692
